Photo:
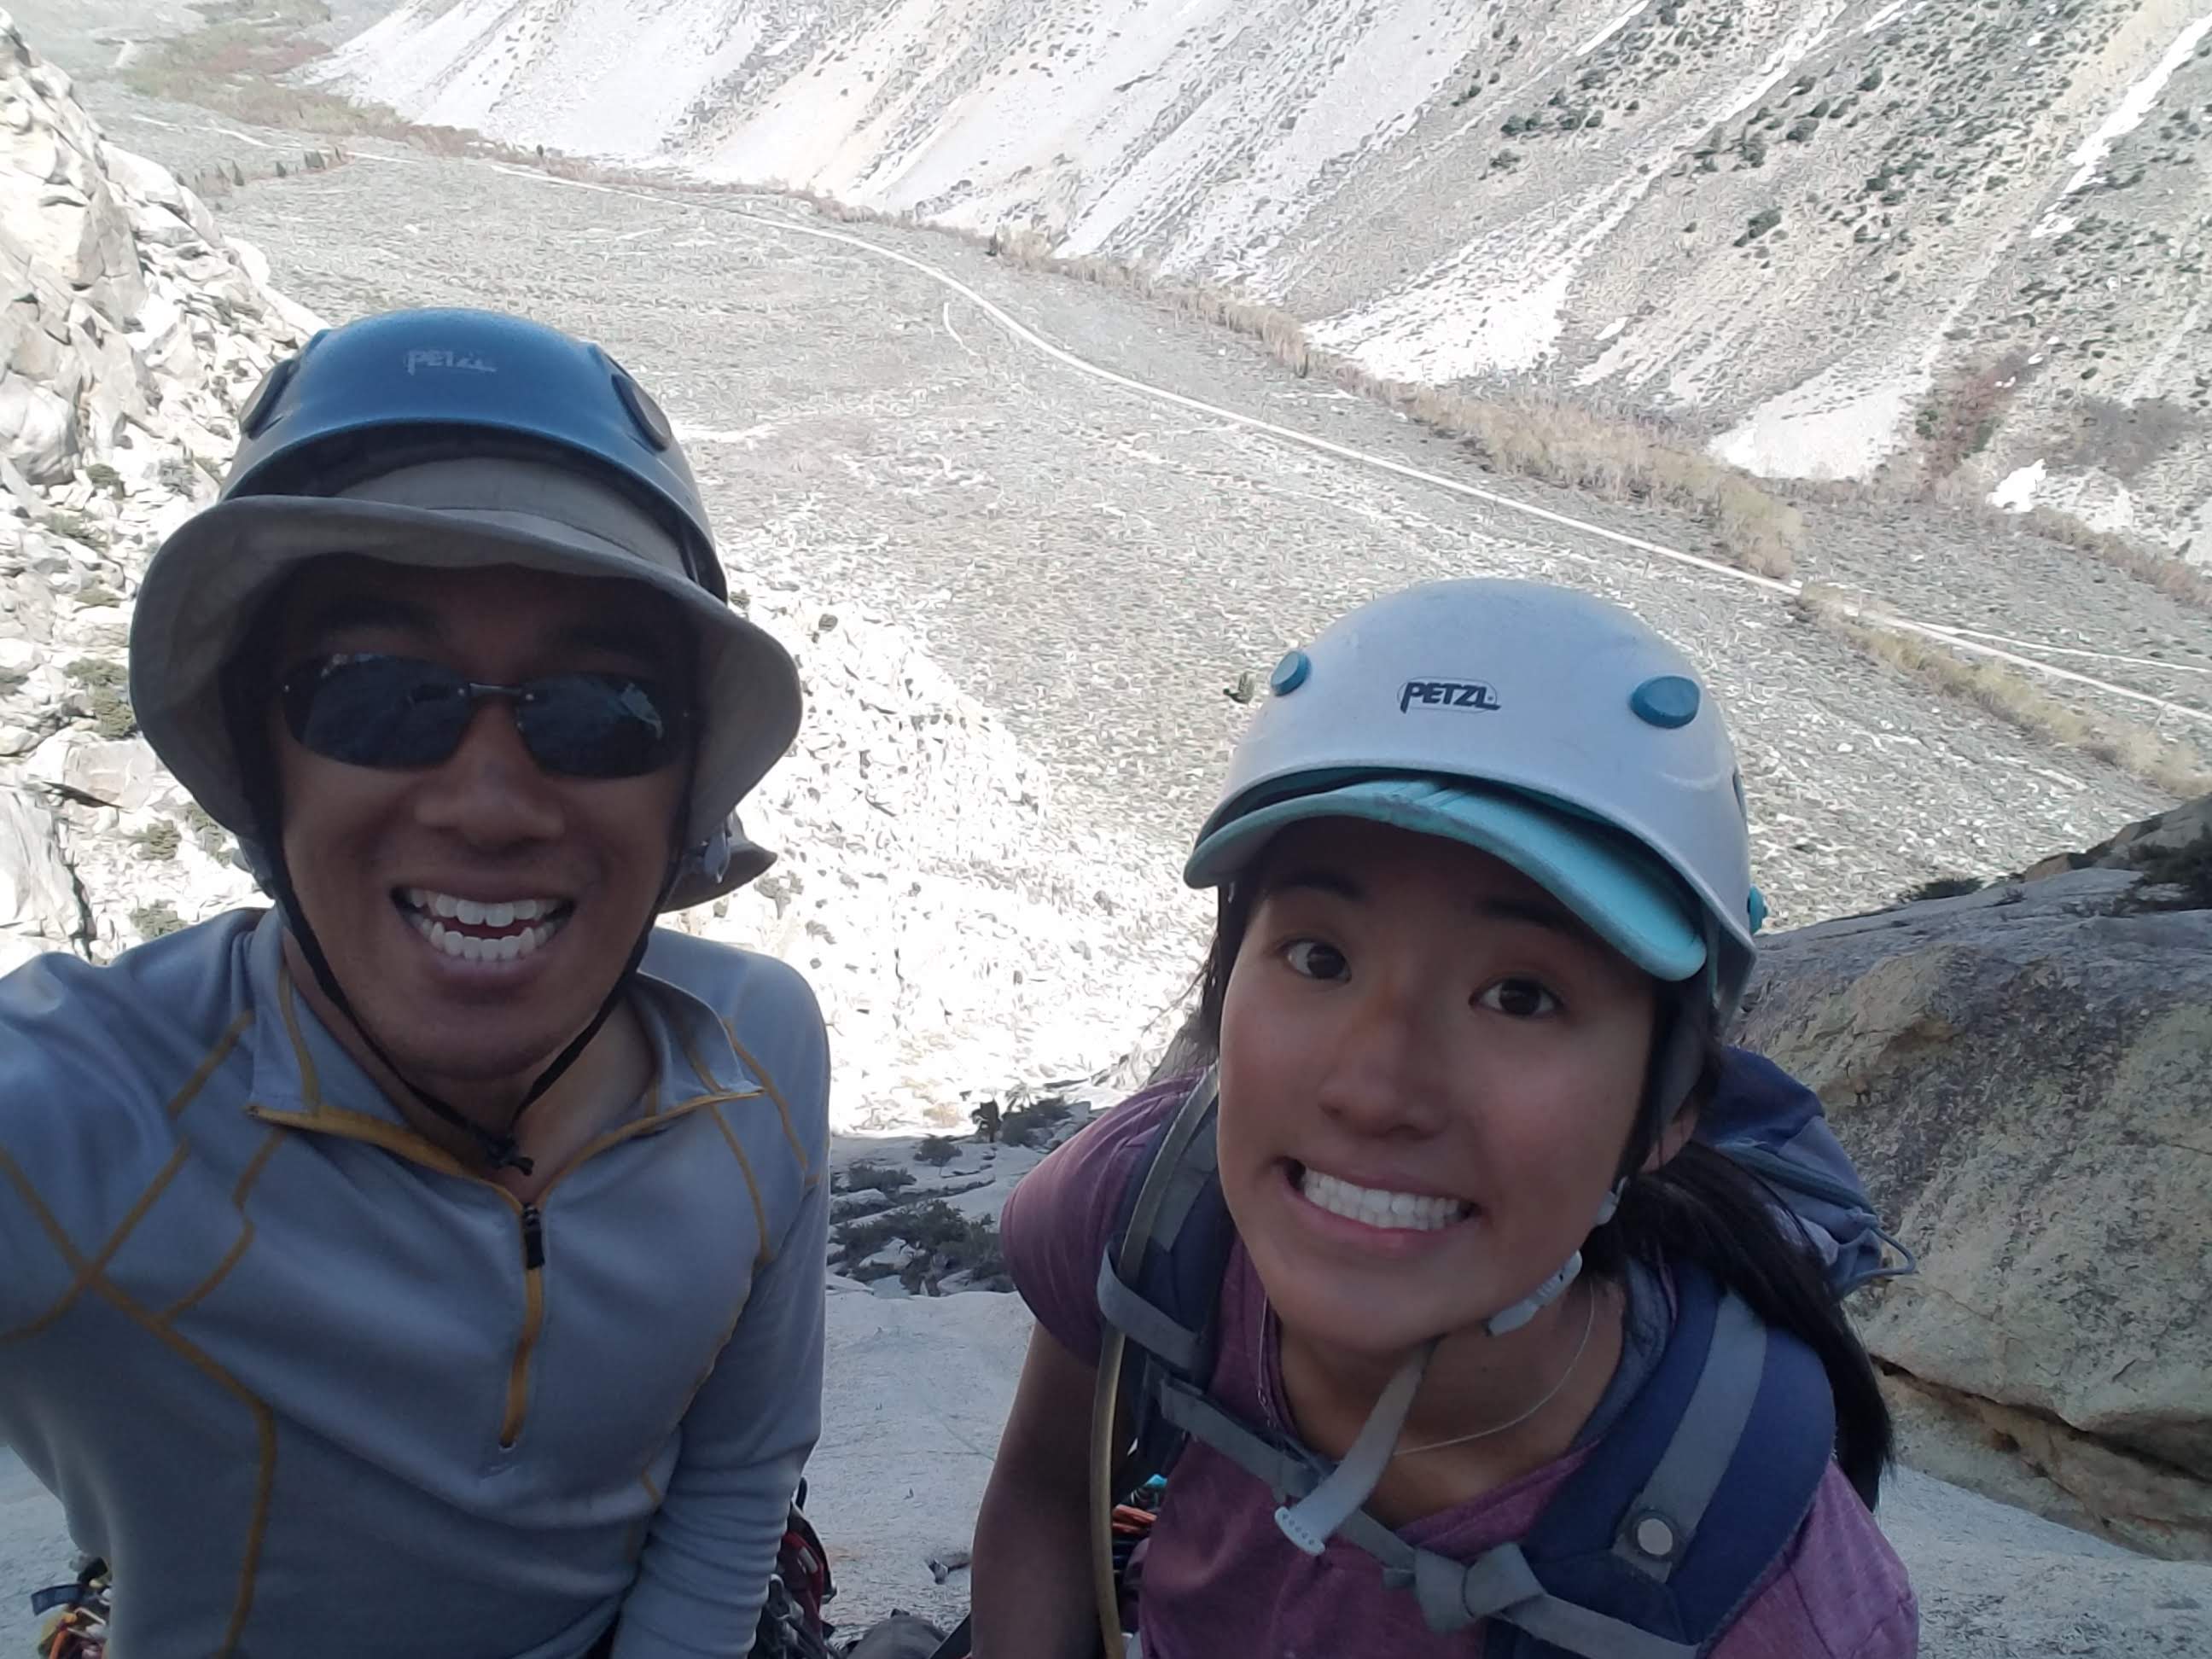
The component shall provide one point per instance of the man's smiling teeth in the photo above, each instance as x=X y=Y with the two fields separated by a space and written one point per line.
x=1410 y=1212
x=476 y=914
x=430 y=912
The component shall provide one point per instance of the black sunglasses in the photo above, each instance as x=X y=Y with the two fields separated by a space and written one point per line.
x=400 y=713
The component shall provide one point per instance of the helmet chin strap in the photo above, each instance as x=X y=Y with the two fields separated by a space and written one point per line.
x=1311 y=1521
x=1678 y=1056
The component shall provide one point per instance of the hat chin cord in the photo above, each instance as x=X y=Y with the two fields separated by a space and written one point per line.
x=1678 y=1055
x=498 y=1147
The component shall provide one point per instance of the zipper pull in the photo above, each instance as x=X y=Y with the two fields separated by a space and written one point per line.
x=534 y=1238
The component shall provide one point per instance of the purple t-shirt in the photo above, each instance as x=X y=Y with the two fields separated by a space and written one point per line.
x=1219 y=1578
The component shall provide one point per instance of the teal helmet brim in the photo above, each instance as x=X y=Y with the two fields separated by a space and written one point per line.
x=1623 y=895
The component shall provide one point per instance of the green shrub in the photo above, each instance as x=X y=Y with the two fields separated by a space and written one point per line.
x=112 y=717
x=1027 y=1125
x=863 y=1178
x=944 y=1243
x=67 y=522
x=936 y=1150
x=2187 y=867
x=153 y=921
x=1942 y=887
x=159 y=841
x=861 y=1238
x=207 y=834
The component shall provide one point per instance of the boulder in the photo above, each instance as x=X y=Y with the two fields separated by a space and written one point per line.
x=2024 y=1077
x=2147 y=838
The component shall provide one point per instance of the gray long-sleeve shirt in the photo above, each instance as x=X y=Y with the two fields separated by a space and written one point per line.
x=311 y=1388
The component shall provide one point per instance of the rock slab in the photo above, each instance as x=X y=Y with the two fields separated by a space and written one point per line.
x=2024 y=1077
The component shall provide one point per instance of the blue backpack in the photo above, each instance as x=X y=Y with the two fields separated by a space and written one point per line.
x=1737 y=1420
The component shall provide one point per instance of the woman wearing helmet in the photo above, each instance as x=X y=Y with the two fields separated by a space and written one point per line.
x=1485 y=906
x=432 y=1263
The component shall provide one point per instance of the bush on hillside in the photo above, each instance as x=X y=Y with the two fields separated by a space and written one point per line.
x=2187 y=869
x=1942 y=887
x=1025 y=1126
x=159 y=841
x=861 y=1177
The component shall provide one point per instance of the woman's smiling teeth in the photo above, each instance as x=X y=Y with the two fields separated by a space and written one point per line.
x=529 y=923
x=1408 y=1212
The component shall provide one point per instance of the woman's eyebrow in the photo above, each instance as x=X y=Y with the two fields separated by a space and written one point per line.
x=1536 y=912
x=1318 y=879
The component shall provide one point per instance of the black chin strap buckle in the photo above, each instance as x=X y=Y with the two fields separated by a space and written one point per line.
x=502 y=1152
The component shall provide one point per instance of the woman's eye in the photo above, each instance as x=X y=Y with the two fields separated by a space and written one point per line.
x=1520 y=999
x=1313 y=959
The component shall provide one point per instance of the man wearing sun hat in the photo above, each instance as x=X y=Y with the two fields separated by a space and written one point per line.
x=432 y=1262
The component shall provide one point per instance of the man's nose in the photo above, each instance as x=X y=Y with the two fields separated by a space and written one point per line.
x=490 y=791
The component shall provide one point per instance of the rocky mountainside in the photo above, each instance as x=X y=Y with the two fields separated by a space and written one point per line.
x=1963 y=244
x=947 y=918
x=133 y=330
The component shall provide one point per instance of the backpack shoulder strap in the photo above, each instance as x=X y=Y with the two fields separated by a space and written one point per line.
x=1159 y=1280
x=1736 y=1423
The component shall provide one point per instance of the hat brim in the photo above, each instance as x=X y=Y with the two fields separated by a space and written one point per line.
x=204 y=588
x=1628 y=900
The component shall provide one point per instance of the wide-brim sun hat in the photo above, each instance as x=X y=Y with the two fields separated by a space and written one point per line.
x=1551 y=729
x=457 y=438
x=210 y=578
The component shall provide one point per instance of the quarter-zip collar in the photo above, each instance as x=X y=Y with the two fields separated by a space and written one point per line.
x=304 y=1078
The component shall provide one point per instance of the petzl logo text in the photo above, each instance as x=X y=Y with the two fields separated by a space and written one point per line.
x=419 y=360
x=1447 y=694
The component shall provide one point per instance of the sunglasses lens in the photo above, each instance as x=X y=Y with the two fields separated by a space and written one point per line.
x=378 y=711
x=599 y=726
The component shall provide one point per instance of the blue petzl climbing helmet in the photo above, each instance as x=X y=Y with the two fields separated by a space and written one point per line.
x=455 y=438
x=430 y=384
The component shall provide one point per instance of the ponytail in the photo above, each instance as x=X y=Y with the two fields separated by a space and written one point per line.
x=1701 y=1207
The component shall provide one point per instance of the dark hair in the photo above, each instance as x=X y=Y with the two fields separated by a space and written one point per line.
x=1699 y=1207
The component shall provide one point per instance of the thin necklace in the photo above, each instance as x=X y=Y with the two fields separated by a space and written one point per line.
x=1590 y=1323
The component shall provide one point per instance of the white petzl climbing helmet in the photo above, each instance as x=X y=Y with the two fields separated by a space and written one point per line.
x=1551 y=729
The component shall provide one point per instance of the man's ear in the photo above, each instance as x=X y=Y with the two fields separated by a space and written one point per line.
x=1671 y=1138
